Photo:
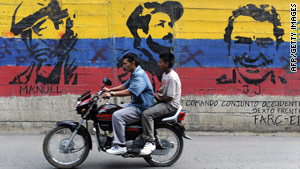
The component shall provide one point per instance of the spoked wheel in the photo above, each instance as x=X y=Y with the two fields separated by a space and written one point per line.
x=171 y=139
x=58 y=154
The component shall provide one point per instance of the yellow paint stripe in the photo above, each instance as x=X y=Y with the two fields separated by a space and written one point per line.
x=107 y=18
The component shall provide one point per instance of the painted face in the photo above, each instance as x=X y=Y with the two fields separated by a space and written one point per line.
x=160 y=31
x=44 y=48
x=45 y=29
x=40 y=25
x=41 y=30
x=253 y=47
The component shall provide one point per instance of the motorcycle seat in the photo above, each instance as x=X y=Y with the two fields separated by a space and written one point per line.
x=171 y=117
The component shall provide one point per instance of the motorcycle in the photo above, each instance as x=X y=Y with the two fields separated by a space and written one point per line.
x=69 y=143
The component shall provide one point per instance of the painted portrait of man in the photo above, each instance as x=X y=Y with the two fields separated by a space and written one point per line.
x=151 y=25
x=51 y=63
x=253 y=47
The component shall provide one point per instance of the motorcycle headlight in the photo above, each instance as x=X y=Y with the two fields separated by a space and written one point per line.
x=76 y=104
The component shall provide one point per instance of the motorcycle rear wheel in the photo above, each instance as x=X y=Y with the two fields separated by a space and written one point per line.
x=56 y=155
x=169 y=133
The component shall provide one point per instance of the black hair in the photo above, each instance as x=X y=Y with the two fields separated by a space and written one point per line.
x=137 y=21
x=259 y=14
x=131 y=57
x=168 y=57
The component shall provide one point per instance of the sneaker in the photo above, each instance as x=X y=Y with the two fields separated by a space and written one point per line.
x=148 y=148
x=117 y=150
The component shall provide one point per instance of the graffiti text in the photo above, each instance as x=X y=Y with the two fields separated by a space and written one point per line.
x=39 y=89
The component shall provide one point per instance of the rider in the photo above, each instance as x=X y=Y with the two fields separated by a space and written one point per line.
x=142 y=97
x=168 y=98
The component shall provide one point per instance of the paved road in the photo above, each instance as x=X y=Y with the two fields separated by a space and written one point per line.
x=203 y=152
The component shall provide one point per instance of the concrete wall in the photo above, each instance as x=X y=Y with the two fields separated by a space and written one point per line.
x=236 y=60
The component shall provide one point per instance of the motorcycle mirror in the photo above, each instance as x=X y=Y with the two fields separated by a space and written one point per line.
x=107 y=81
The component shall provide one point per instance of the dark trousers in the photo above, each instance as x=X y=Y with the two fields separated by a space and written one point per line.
x=148 y=117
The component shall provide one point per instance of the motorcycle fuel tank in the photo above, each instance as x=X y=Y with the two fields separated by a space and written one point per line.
x=104 y=115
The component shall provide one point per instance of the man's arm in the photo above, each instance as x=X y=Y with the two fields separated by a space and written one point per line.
x=163 y=98
x=121 y=93
x=118 y=88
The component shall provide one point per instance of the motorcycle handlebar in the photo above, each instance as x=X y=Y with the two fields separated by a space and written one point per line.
x=106 y=97
x=102 y=92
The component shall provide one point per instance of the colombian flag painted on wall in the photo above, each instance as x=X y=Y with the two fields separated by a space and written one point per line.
x=222 y=47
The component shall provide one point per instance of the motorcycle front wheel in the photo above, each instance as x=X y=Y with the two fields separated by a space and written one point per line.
x=58 y=154
x=171 y=135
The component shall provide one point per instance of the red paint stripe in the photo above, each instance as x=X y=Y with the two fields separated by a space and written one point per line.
x=132 y=129
x=195 y=81
x=202 y=81
x=86 y=101
x=104 y=116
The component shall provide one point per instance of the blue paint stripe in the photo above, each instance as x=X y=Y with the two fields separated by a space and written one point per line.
x=105 y=52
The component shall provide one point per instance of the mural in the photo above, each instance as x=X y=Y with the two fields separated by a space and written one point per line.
x=251 y=54
x=244 y=51
x=233 y=57
x=46 y=53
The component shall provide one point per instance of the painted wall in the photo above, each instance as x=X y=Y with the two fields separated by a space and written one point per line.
x=233 y=58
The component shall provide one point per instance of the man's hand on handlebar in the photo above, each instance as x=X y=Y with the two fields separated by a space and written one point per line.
x=106 y=89
x=106 y=95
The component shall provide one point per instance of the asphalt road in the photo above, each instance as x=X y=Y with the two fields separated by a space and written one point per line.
x=203 y=152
